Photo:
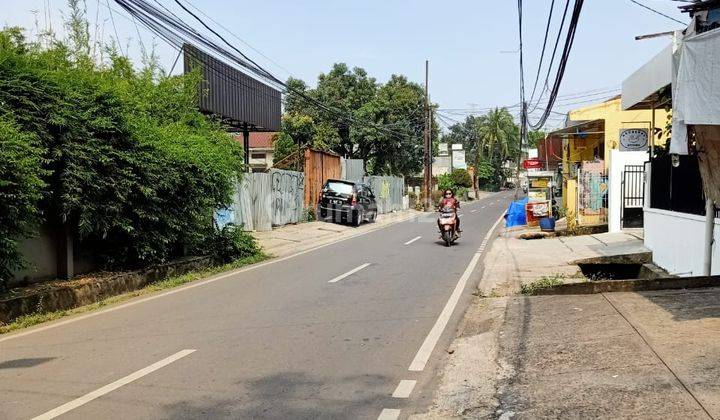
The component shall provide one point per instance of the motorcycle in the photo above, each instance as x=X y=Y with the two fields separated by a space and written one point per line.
x=448 y=225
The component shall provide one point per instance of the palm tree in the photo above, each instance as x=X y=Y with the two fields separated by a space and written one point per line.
x=496 y=128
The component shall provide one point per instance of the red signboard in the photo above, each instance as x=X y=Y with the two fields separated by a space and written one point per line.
x=532 y=164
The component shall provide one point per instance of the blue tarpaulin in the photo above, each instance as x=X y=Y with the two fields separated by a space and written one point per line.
x=516 y=213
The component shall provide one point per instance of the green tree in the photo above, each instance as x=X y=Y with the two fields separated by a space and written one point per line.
x=489 y=141
x=495 y=132
x=398 y=105
x=356 y=106
x=533 y=137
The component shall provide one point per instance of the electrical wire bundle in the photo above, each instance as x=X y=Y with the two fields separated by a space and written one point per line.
x=547 y=109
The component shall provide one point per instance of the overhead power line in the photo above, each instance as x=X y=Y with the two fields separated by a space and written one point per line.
x=554 y=53
x=542 y=53
x=658 y=12
x=564 y=57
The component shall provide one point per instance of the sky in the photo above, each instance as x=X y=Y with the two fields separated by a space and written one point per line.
x=471 y=44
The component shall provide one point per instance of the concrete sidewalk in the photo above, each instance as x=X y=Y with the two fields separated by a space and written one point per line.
x=290 y=239
x=612 y=355
x=513 y=262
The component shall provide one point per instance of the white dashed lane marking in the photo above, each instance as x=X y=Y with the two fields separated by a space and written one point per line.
x=349 y=273
x=389 y=414
x=404 y=389
x=412 y=240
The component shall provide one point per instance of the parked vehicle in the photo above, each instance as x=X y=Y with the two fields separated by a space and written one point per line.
x=347 y=202
x=447 y=220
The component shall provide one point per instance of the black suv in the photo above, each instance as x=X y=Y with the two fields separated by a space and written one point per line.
x=347 y=202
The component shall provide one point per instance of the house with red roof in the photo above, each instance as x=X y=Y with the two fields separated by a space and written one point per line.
x=261 y=149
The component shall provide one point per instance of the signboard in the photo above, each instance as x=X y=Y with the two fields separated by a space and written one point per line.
x=537 y=195
x=539 y=183
x=633 y=139
x=443 y=149
x=457 y=146
x=458 y=159
x=532 y=164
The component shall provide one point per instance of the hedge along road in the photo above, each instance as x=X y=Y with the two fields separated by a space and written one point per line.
x=329 y=333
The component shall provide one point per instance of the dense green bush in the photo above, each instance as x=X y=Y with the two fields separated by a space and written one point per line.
x=461 y=178
x=21 y=189
x=456 y=180
x=122 y=155
x=445 y=182
x=231 y=243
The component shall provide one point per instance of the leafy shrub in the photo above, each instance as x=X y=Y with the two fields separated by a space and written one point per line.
x=128 y=160
x=461 y=178
x=231 y=243
x=445 y=182
x=21 y=189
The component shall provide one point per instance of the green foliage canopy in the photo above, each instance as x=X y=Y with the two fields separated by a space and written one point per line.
x=397 y=106
x=490 y=140
x=122 y=156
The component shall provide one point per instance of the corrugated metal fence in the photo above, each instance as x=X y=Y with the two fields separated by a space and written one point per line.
x=278 y=197
x=389 y=192
x=288 y=190
x=264 y=200
x=352 y=169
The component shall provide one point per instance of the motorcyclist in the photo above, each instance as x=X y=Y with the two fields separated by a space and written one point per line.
x=449 y=200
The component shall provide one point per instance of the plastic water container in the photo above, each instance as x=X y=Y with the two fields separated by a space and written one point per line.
x=547 y=224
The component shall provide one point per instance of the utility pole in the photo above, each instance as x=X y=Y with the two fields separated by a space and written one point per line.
x=523 y=141
x=427 y=180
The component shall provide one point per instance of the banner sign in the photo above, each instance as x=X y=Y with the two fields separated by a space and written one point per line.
x=532 y=164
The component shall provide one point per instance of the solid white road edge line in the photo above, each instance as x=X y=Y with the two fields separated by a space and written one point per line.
x=193 y=285
x=389 y=414
x=473 y=211
x=349 y=273
x=412 y=240
x=112 y=386
x=427 y=347
x=404 y=388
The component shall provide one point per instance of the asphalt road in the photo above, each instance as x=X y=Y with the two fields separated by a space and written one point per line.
x=292 y=339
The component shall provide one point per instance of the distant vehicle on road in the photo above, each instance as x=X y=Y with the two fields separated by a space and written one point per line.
x=347 y=202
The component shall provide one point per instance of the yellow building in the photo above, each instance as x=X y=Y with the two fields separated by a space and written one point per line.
x=589 y=136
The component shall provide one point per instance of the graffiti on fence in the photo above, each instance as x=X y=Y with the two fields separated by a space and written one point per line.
x=288 y=190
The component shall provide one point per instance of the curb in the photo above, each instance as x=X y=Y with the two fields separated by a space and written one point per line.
x=640 y=285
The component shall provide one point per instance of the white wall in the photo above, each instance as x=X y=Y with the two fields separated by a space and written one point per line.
x=618 y=160
x=677 y=241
